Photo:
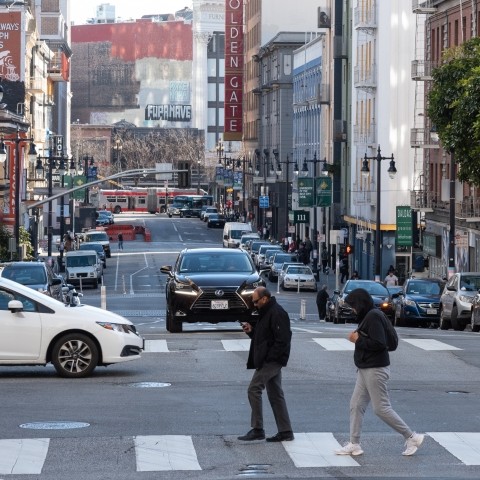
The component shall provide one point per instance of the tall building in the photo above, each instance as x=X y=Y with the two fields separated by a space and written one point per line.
x=382 y=108
x=138 y=71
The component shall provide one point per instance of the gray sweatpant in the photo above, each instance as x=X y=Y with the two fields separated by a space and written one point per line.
x=371 y=385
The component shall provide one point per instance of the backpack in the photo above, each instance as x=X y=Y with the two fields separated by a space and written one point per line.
x=390 y=333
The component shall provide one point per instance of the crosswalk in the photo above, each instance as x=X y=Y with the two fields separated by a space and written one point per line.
x=328 y=344
x=162 y=453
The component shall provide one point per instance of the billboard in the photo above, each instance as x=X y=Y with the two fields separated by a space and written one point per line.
x=233 y=70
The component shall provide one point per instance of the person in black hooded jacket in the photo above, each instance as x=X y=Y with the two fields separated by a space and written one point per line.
x=269 y=352
x=372 y=361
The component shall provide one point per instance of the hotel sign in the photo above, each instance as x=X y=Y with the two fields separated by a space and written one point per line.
x=233 y=70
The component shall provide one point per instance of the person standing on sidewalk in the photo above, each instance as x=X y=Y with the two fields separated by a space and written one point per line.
x=373 y=371
x=269 y=352
x=322 y=299
x=120 y=241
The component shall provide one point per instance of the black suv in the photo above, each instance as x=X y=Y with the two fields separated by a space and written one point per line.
x=36 y=275
x=210 y=285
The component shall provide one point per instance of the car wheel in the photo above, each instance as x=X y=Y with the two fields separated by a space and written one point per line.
x=282 y=286
x=169 y=215
x=117 y=209
x=95 y=284
x=75 y=356
x=444 y=324
x=475 y=327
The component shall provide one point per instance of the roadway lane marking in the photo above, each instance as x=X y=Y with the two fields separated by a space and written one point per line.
x=156 y=346
x=316 y=449
x=23 y=456
x=335 y=344
x=429 y=344
x=463 y=445
x=165 y=452
x=236 y=345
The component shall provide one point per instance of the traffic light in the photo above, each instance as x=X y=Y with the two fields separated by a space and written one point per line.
x=349 y=249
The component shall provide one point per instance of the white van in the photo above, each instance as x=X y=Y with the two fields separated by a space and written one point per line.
x=83 y=266
x=232 y=233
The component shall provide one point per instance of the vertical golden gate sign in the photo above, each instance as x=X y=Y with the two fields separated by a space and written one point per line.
x=233 y=70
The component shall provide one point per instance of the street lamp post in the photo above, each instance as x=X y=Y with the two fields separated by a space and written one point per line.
x=86 y=170
x=52 y=165
x=287 y=162
x=365 y=172
x=3 y=157
x=305 y=172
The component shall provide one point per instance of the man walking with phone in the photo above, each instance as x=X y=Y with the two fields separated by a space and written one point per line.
x=269 y=352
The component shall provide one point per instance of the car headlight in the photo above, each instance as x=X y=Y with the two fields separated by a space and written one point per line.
x=182 y=288
x=465 y=298
x=248 y=288
x=410 y=303
x=118 y=327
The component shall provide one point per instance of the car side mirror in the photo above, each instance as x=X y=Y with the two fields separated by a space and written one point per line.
x=451 y=288
x=56 y=281
x=225 y=237
x=15 y=306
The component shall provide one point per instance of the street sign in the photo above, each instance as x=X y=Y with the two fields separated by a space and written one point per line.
x=301 y=216
x=264 y=201
x=404 y=234
x=305 y=192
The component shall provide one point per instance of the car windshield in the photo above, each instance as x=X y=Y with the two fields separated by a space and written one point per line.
x=215 y=262
x=96 y=237
x=81 y=261
x=424 y=288
x=26 y=276
x=469 y=283
x=91 y=246
x=299 y=271
x=373 y=288
x=283 y=257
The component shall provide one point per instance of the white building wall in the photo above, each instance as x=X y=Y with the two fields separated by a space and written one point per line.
x=393 y=100
x=288 y=16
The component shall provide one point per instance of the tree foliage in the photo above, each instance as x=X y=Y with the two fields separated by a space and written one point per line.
x=454 y=107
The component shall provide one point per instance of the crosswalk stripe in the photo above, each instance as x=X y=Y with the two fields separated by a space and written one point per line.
x=463 y=445
x=316 y=449
x=23 y=456
x=156 y=346
x=236 y=345
x=335 y=344
x=165 y=452
x=430 y=344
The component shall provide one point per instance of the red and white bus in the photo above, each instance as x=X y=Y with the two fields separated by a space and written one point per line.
x=137 y=199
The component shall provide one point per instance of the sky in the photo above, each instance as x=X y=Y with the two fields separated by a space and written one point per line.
x=81 y=10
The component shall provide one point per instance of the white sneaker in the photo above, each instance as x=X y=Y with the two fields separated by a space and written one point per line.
x=413 y=443
x=350 y=449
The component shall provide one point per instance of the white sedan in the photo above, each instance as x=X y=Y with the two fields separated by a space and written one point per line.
x=37 y=329
x=298 y=276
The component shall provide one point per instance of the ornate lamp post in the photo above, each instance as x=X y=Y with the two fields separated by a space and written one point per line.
x=365 y=172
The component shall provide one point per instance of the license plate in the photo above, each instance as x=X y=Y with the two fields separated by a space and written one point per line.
x=219 y=305
x=431 y=311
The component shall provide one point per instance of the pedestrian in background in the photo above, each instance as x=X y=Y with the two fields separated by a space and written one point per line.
x=373 y=371
x=120 y=241
x=269 y=352
x=322 y=299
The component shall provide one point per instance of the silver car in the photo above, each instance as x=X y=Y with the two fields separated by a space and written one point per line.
x=298 y=277
x=456 y=300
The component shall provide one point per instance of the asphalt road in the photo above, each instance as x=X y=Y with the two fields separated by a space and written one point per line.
x=176 y=412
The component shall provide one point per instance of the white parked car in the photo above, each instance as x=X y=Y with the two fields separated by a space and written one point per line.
x=37 y=329
x=295 y=274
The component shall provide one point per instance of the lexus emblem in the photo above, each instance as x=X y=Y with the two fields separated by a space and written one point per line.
x=219 y=293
